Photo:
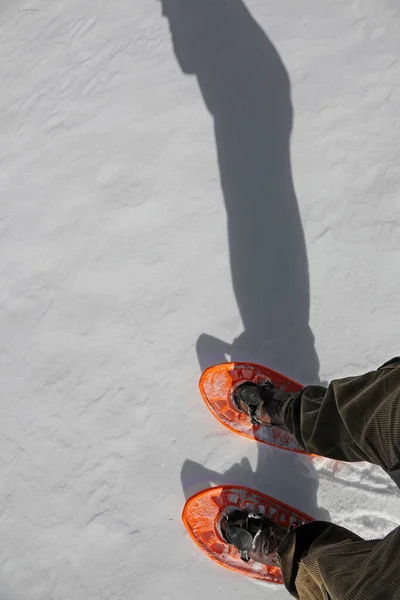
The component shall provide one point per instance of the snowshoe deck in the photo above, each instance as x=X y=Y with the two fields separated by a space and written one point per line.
x=216 y=384
x=203 y=512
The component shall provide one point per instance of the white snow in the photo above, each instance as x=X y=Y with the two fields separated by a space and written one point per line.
x=153 y=202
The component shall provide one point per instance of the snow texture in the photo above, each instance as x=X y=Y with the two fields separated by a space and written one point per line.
x=182 y=182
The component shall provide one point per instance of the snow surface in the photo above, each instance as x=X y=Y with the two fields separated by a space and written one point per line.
x=182 y=182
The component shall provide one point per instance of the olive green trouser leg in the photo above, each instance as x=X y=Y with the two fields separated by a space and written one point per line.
x=357 y=418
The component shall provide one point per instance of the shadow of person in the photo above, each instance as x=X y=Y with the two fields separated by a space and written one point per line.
x=246 y=88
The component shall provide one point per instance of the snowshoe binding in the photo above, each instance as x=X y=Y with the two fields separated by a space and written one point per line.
x=263 y=403
x=255 y=536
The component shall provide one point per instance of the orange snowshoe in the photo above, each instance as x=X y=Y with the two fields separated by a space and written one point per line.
x=224 y=391
x=240 y=529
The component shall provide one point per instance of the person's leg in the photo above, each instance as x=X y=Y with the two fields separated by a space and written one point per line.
x=322 y=561
x=354 y=419
x=357 y=418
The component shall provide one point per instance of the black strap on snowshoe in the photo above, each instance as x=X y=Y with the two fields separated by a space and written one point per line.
x=255 y=396
x=249 y=393
x=241 y=531
x=241 y=539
